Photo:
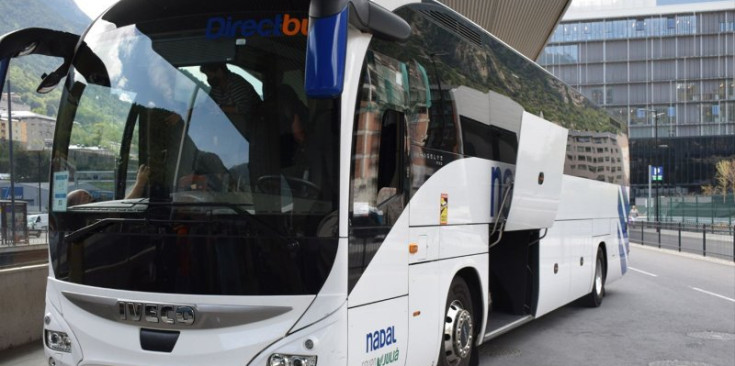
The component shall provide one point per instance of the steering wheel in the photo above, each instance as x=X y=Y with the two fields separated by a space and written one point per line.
x=300 y=188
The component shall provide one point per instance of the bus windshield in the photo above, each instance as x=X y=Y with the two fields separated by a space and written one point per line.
x=183 y=122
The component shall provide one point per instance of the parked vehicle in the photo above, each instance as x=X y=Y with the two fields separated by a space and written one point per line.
x=37 y=224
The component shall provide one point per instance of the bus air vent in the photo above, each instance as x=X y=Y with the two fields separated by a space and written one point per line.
x=455 y=26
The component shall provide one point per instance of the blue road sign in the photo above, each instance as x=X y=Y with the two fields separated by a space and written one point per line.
x=657 y=173
x=5 y=193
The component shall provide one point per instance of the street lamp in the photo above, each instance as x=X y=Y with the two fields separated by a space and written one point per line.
x=656 y=147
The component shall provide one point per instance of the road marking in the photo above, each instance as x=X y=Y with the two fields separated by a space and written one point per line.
x=644 y=272
x=713 y=294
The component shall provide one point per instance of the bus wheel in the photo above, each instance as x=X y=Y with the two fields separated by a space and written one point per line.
x=458 y=335
x=594 y=298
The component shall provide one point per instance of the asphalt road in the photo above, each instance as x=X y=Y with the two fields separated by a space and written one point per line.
x=669 y=310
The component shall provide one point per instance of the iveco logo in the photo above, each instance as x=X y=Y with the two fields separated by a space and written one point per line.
x=156 y=313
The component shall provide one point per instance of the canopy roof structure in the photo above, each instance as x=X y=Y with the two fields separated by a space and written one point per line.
x=525 y=25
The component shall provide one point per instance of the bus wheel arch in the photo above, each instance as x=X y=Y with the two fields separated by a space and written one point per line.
x=462 y=320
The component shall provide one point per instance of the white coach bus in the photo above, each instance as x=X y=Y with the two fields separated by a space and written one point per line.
x=329 y=183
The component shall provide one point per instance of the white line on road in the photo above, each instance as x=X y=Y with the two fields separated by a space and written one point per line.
x=644 y=272
x=713 y=294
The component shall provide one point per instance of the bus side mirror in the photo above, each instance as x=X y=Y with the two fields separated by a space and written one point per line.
x=327 y=40
x=40 y=41
x=326 y=48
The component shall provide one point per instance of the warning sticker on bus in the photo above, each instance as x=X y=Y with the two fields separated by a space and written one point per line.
x=444 y=209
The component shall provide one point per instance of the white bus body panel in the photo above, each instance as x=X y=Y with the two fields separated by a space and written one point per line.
x=106 y=342
x=604 y=205
x=587 y=217
x=333 y=293
x=378 y=333
x=459 y=181
x=425 y=327
x=541 y=149
x=387 y=275
x=329 y=337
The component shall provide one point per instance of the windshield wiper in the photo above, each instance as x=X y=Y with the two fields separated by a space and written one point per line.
x=95 y=228
x=236 y=207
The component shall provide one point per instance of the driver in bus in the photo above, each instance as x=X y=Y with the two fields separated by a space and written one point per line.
x=233 y=94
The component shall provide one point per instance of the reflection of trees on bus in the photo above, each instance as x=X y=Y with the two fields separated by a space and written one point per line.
x=481 y=63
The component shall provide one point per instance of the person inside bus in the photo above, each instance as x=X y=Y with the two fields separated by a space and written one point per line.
x=78 y=197
x=234 y=95
x=141 y=179
x=292 y=122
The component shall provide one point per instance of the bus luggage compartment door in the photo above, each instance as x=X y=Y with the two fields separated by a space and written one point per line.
x=538 y=176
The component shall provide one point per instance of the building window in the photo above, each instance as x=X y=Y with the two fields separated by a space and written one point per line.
x=597 y=96
x=640 y=25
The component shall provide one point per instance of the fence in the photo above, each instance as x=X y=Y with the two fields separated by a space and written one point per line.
x=713 y=210
x=710 y=240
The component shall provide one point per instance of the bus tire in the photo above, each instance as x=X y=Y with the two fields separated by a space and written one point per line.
x=458 y=333
x=594 y=298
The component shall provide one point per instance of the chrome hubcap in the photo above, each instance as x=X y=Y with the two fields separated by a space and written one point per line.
x=598 y=278
x=458 y=333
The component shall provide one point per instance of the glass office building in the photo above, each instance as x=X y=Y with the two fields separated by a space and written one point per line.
x=667 y=68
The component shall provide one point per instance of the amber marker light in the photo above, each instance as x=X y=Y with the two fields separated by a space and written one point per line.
x=413 y=248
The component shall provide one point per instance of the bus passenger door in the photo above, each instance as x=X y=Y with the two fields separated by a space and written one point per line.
x=378 y=253
x=425 y=300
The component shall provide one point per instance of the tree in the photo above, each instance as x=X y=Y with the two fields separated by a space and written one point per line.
x=731 y=178
x=708 y=190
x=725 y=177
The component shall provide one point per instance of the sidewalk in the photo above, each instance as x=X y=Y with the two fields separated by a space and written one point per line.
x=27 y=355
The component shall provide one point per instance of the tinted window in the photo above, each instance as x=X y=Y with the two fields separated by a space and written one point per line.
x=488 y=142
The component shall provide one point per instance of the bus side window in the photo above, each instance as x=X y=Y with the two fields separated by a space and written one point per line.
x=393 y=156
x=420 y=102
x=379 y=145
x=389 y=157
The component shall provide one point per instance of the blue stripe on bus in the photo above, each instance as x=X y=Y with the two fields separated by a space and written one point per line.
x=623 y=242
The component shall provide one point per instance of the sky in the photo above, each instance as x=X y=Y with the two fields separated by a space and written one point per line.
x=93 y=8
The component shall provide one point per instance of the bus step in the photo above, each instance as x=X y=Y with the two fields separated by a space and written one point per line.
x=500 y=323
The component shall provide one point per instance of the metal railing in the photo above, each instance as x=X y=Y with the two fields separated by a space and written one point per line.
x=713 y=240
x=715 y=209
x=24 y=252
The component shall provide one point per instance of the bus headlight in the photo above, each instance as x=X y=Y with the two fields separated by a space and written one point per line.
x=278 y=359
x=58 y=341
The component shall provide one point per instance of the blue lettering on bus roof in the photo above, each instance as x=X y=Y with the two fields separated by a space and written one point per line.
x=278 y=26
